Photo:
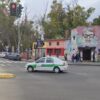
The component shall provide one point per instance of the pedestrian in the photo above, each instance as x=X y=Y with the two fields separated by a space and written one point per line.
x=94 y=56
x=73 y=58
x=65 y=56
x=77 y=57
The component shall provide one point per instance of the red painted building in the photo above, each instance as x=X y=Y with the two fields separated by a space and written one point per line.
x=52 y=47
x=55 y=47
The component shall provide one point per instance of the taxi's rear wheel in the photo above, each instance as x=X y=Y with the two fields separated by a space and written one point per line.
x=56 y=70
x=30 y=69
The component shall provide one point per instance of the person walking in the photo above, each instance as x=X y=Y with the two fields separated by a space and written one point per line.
x=73 y=58
x=65 y=56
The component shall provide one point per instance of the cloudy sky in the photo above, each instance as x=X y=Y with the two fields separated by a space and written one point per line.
x=37 y=8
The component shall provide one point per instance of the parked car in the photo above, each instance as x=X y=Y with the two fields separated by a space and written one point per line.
x=13 y=56
x=3 y=54
x=47 y=64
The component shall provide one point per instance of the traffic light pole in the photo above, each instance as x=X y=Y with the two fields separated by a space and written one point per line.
x=15 y=10
x=18 y=14
x=19 y=38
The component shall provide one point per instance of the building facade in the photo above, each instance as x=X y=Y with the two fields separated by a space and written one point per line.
x=86 y=42
x=52 y=47
x=55 y=47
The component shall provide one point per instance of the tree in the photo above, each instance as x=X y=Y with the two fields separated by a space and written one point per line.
x=6 y=25
x=55 y=26
x=26 y=32
x=60 y=19
x=8 y=28
x=77 y=16
x=96 y=21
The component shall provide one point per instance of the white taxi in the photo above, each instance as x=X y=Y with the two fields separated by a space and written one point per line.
x=47 y=64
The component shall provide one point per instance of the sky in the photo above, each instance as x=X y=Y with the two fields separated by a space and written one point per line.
x=36 y=8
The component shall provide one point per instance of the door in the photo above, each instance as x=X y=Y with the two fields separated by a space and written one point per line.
x=87 y=54
x=39 y=64
x=49 y=65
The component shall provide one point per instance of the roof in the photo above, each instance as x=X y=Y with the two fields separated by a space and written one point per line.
x=55 y=40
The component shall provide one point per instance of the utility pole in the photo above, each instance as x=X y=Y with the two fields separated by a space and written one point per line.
x=18 y=15
x=19 y=38
x=16 y=10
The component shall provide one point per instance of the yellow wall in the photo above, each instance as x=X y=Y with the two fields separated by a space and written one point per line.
x=46 y=44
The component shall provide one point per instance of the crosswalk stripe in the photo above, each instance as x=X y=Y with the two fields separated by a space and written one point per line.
x=2 y=65
x=1 y=61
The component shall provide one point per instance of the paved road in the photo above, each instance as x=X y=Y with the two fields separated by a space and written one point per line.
x=80 y=83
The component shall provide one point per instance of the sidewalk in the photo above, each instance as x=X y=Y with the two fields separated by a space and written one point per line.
x=76 y=63
x=85 y=63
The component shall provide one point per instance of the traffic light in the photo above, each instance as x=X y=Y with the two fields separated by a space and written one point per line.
x=13 y=8
x=19 y=10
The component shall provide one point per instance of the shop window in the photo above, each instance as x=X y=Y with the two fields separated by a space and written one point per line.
x=57 y=52
x=49 y=51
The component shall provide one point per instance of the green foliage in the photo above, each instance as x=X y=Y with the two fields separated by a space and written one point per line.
x=27 y=33
x=78 y=16
x=6 y=26
x=61 y=19
x=56 y=25
x=96 y=21
x=9 y=31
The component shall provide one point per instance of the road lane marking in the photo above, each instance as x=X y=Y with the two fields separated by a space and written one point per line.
x=7 y=75
x=3 y=61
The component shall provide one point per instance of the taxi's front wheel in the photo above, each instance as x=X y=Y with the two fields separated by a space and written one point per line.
x=30 y=69
x=56 y=70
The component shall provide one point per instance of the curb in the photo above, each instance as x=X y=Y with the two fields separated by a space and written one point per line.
x=84 y=64
x=7 y=75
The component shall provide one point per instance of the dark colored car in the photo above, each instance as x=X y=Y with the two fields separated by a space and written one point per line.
x=13 y=56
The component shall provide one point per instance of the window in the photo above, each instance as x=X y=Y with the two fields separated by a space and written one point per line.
x=49 y=51
x=49 y=43
x=57 y=43
x=57 y=52
x=41 y=60
x=49 y=60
